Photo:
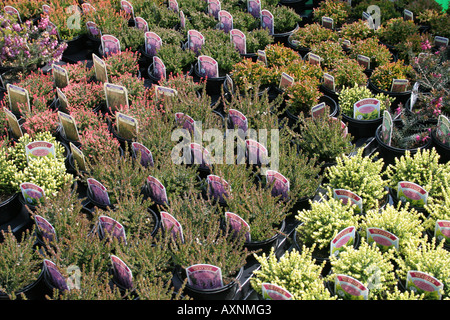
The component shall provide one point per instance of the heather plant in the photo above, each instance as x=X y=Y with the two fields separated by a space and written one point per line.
x=300 y=68
x=97 y=143
x=7 y=173
x=157 y=289
x=251 y=75
x=169 y=35
x=40 y=88
x=413 y=45
x=383 y=75
x=302 y=95
x=311 y=34
x=258 y=39
x=60 y=14
x=200 y=20
x=176 y=59
x=43 y=121
x=330 y=52
x=279 y=55
x=396 y=30
x=398 y=294
x=79 y=71
x=378 y=53
x=122 y=62
x=356 y=31
x=347 y=72
x=339 y=11
x=158 y=16
x=133 y=84
x=243 y=20
x=84 y=95
x=28 y=9
x=438 y=210
x=388 y=9
x=295 y=271
x=285 y=18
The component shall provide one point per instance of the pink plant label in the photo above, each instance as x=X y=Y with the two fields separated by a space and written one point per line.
x=238 y=225
x=200 y=155
x=108 y=227
x=93 y=29
x=13 y=123
x=12 y=11
x=328 y=22
x=254 y=8
x=185 y=121
x=237 y=120
x=127 y=7
x=328 y=81
x=347 y=196
x=173 y=5
x=141 y=24
x=214 y=7
x=413 y=193
x=225 y=21
x=318 y=110
x=422 y=282
x=98 y=192
x=442 y=231
x=285 y=81
x=18 y=99
x=78 y=157
x=386 y=128
x=38 y=149
x=256 y=152
x=32 y=194
x=153 y=43
x=54 y=276
x=443 y=129
x=110 y=44
x=348 y=288
x=204 y=276
x=45 y=229
x=267 y=21
x=156 y=190
x=399 y=85
x=382 y=238
x=146 y=157
x=218 y=188
x=272 y=291
x=208 y=67
x=69 y=126
x=195 y=40
x=121 y=273
x=238 y=38
x=367 y=109
x=87 y=8
x=159 y=69
x=279 y=183
x=345 y=237
x=170 y=224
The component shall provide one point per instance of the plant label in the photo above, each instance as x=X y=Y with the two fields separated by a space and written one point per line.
x=257 y=154
x=367 y=109
x=45 y=229
x=368 y=19
x=164 y=91
x=182 y=20
x=272 y=291
x=54 y=276
x=78 y=157
x=53 y=30
x=98 y=192
x=170 y=224
x=156 y=190
x=87 y=8
x=443 y=129
x=208 y=67
x=408 y=15
x=14 y=125
x=121 y=273
x=328 y=22
x=116 y=96
x=141 y=24
x=285 y=81
x=254 y=8
x=229 y=83
x=343 y=126
x=185 y=121
x=127 y=126
x=195 y=40
x=414 y=94
x=19 y=99
x=267 y=21
x=363 y=61
x=238 y=225
x=399 y=85
x=318 y=110
x=279 y=183
x=238 y=38
x=69 y=126
x=413 y=193
x=200 y=155
x=262 y=56
x=348 y=288
x=109 y=227
x=32 y=193
x=204 y=276
x=345 y=237
x=218 y=188
x=442 y=231
x=62 y=101
x=110 y=44
x=173 y=5
x=440 y=41
x=46 y=9
x=214 y=7
x=347 y=196
x=159 y=69
x=386 y=128
x=421 y=282
x=314 y=59
x=225 y=21
x=346 y=44
x=146 y=157
x=60 y=76
x=382 y=239
x=38 y=149
x=153 y=43
x=12 y=11
x=101 y=72
x=127 y=7
x=237 y=120
x=328 y=81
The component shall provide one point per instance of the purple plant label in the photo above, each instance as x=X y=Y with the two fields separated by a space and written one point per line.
x=14 y=125
x=443 y=129
x=159 y=69
x=93 y=29
x=121 y=273
x=440 y=41
x=408 y=15
x=45 y=229
x=153 y=43
x=345 y=237
x=272 y=291
x=87 y=8
x=442 y=231
x=169 y=223
x=285 y=81
x=318 y=110
x=267 y=21
x=38 y=149
x=238 y=225
x=127 y=7
x=182 y=20
x=141 y=24
x=363 y=61
x=157 y=191
x=110 y=44
x=348 y=288
x=54 y=276
x=195 y=40
x=314 y=59
x=421 y=282
x=328 y=80
x=146 y=157
x=399 y=85
x=413 y=193
x=261 y=56
x=237 y=120
x=98 y=192
x=225 y=21
x=164 y=91
x=185 y=121
x=32 y=193
x=347 y=196
x=173 y=5
x=367 y=109
x=279 y=183
x=328 y=22
x=60 y=76
x=218 y=188
x=107 y=226
x=382 y=238
x=204 y=276
x=200 y=155
x=256 y=153
x=18 y=98
x=101 y=72
x=46 y=8
x=214 y=7
x=254 y=8
x=116 y=96
x=386 y=128
x=238 y=38
x=69 y=126
x=346 y=44
x=78 y=157
x=12 y=11
x=208 y=67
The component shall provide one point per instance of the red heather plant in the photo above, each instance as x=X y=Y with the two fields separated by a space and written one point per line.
x=41 y=121
x=86 y=119
x=84 y=94
x=38 y=85
x=123 y=62
x=347 y=72
x=79 y=72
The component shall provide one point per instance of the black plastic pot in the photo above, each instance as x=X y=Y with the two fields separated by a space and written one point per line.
x=303 y=51
x=298 y=5
x=264 y=246
x=75 y=45
x=361 y=128
x=34 y=291
x=282 y=38
x=442 y=149
x=400 y=97
x=10 y=208
x=213 y=85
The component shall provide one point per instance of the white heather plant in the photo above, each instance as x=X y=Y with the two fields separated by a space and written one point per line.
x=297 y=272
x=361 y=175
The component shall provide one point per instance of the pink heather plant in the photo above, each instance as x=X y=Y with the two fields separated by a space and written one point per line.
x=84 y=94
x=41 y=121
x=97 y=143
x=121 y=63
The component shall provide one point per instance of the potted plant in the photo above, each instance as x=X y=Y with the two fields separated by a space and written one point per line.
x=158 y=16
x=330 y=52
x=388 y=10
x=9 y=203
x=125 y=61
x=338 y=11
x=302 y=95
x=86 y=95
x=29 y=10
x=286 y=21
x=356 y=31
x=249 y=75
x=378 y=53
x=295 y=271
x=396 y=30
x=279 y=55
x=176 y=59
x=303 y=38
x=257 y=39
